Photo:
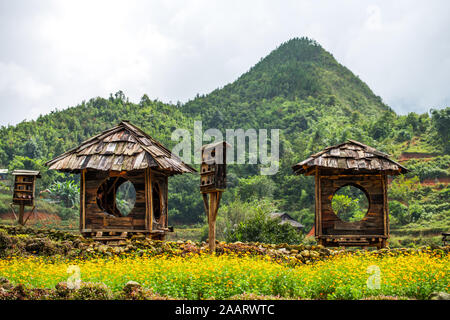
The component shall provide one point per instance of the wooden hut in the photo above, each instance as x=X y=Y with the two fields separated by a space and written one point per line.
x=108 y=160
x=351 y=163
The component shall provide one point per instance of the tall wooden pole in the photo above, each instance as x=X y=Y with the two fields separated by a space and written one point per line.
x=211 y=209
x=21 y=214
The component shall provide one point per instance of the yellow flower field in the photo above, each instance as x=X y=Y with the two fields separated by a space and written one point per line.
x=345 y=276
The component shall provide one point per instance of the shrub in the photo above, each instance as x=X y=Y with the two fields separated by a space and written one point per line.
x=399 y=212
x=231 y=215
x=262 y=228
x=256 y=187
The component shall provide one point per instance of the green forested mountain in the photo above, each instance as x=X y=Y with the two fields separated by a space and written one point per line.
x=298 y=88
x=297 y=70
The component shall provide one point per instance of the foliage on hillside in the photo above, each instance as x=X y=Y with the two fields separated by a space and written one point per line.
x=299 y=88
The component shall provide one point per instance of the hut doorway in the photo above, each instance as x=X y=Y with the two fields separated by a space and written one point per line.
x=116 y=196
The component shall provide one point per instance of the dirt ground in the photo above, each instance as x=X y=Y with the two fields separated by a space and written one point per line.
x=36 y=216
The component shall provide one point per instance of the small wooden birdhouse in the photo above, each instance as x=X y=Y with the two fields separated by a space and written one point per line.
x=24 y=186
x=213 y=171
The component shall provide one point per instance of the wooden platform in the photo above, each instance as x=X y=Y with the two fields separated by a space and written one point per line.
x=120 y=235
x=378 y=241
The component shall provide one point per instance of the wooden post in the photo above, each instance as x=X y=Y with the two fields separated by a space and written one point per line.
x=385 y=211
x=211 y=213
x=29 y=215
x=83 y=200
x=150 y=196
x=21 y=214
x=146 y=200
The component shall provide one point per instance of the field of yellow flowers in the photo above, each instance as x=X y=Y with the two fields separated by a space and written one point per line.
x=202 y=276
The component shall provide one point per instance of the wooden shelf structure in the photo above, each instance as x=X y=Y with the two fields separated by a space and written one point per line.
x=213 y=182
x=24 y=192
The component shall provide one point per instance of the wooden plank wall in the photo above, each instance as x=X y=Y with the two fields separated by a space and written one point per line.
x=94 y=216
x=373 y=223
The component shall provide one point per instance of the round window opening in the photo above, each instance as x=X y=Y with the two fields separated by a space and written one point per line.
x=125 y=198
x=116 y=196
x=350 y=203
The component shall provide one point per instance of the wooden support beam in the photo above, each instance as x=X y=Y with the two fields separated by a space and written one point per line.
x=318 y=209
x=13 y=211
x=112 y=186
x=150 y=195
x=385 y=206
x=29 y=215
x=146 y=196
x=206 y=205
x=21 y=214
x=83 y=200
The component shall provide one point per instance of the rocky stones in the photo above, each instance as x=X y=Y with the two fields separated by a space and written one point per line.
x=92 y=291
x=439 y=296
x=29 y=241
x=305 y=253
x=5 y=284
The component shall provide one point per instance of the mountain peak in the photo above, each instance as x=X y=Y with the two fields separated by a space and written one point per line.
x=296 y=49
x=297 y=70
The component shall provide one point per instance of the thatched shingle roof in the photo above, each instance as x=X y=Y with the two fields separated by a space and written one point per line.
x=353 y=156
x=122 y=148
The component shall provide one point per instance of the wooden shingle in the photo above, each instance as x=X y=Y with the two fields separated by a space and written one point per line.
x=351 y=155
x=122 y=148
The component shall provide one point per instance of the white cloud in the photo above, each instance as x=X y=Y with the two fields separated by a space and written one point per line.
x=18 y=81
x=374 y=20
x=58 y=53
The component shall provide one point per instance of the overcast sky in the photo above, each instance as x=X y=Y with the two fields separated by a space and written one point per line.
x=54 y=54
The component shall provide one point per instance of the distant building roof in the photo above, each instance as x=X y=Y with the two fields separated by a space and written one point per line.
x=285 y=218
x=3 y=171
x=311 y=233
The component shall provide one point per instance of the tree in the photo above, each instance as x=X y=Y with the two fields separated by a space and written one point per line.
x=256 y=187
x=383 y=126
x=441 y=122
x=402 y=188
x=31 y=149
x=67 y=193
